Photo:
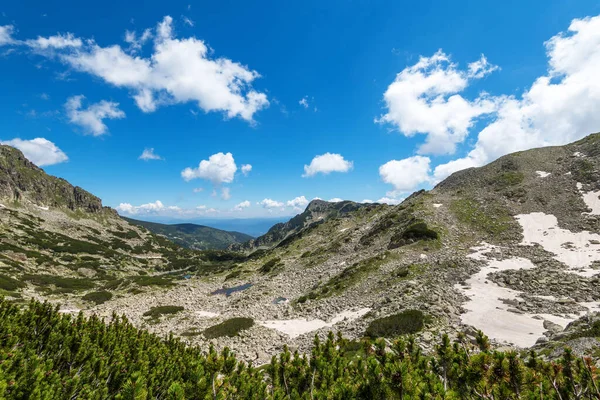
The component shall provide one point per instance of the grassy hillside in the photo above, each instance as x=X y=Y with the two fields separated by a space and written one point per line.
x=193 y=236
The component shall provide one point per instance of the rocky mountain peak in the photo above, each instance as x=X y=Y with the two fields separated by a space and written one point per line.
x=23 y=181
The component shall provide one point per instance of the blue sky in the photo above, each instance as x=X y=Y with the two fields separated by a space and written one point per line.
x=382 y=97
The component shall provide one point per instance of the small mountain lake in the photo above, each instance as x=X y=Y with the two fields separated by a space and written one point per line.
x=229 y=291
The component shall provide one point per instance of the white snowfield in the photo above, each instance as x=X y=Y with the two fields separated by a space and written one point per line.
x=296 y=327
x=542 y=174
x=486 y=309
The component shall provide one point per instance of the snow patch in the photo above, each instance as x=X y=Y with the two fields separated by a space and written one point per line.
x=207 y=314
x=578 y=154
x=344 y=230
x=296 y=327
x=543 y=174
x=577 y=250
x=43 y=208
x=436 y=205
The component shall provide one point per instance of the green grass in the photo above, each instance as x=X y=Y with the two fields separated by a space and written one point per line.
x=347 y=278
x=404 y=323
x=492 y=219
x=98 y=297
x=152 y=281
x=270 y=265
x=156 y=312
x=230 y=328
x=507 y=179
x=415 y=232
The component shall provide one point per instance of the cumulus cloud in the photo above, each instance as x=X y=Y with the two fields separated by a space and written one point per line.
x=91 y=119
x=335 y=200
x=198 y=190
x=135 y=42
x=298 y=203
x=178 y=71
x=559 y=107
x=39 y=151
x=241 y=206
x=56 y=42
x=326 y=164
x=219 y=168
x=424 y=99
x=246 y=168
x=367 y=201
x=148 y=154
x=405 y=175
x=148 y=208
x=270 y=204
x=6 y=32
x=390 y=201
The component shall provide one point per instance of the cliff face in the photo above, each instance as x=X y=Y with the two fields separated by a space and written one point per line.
x=23 y=181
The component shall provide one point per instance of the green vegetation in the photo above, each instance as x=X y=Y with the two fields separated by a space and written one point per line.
x=347 y=278
x=156 y=312
x=152 y=281
x=130 y=234
x=270 y=265
x=507 y=179
x=69 y=284
x=583 y=171
x=404 y=323
x=48 y=355
x=10 y=284
x=98 y=297
x=492 y=219
x=230 y=328
x=413 y=233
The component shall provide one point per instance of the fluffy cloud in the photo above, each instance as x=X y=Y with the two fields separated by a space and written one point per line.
x=270 y=204
x=390 y=201
x=298 y=202
x=91 y=118
x=149 y=208
x=135 y=42
x=39 y=151
x=405 y=175
x=55 y=42
x=243 y=205
x=335 y=200
x=559 y=107
x=6 y=32
x=326 y=164
x=148 y=154
x=304 y=102
x=246 y=168
x=424 y=99
x=178 y=71
x=219 y=168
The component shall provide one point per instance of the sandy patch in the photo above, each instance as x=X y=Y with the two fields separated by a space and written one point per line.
x=542 y=174
x=296 y=327
x=576 y=250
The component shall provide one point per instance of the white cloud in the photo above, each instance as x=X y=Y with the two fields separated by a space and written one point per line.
x=424 y=99
x=39 y=151
x=304 y=102
x=198 y=190
x=243 y=205
x=225 y=193
x=269 y=204
x=6 y=32
x=559 y=107
x=390 y=201
x=178 y=71
x=326 y=164
x=335 y=200
x=246 y=168
x=91 y=119
x=148 y=208
x=135 y=42
x=187 y=21
x=298 y=202
x=219 y=168
x=367 y=201
x=148 y=154
x=405 y=175
x=44 y=96
x=56 y=42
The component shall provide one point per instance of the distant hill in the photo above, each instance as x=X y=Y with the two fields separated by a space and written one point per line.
x=192 y=236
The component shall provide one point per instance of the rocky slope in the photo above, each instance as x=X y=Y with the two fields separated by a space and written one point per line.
x=193 y=236
x=511 y=248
